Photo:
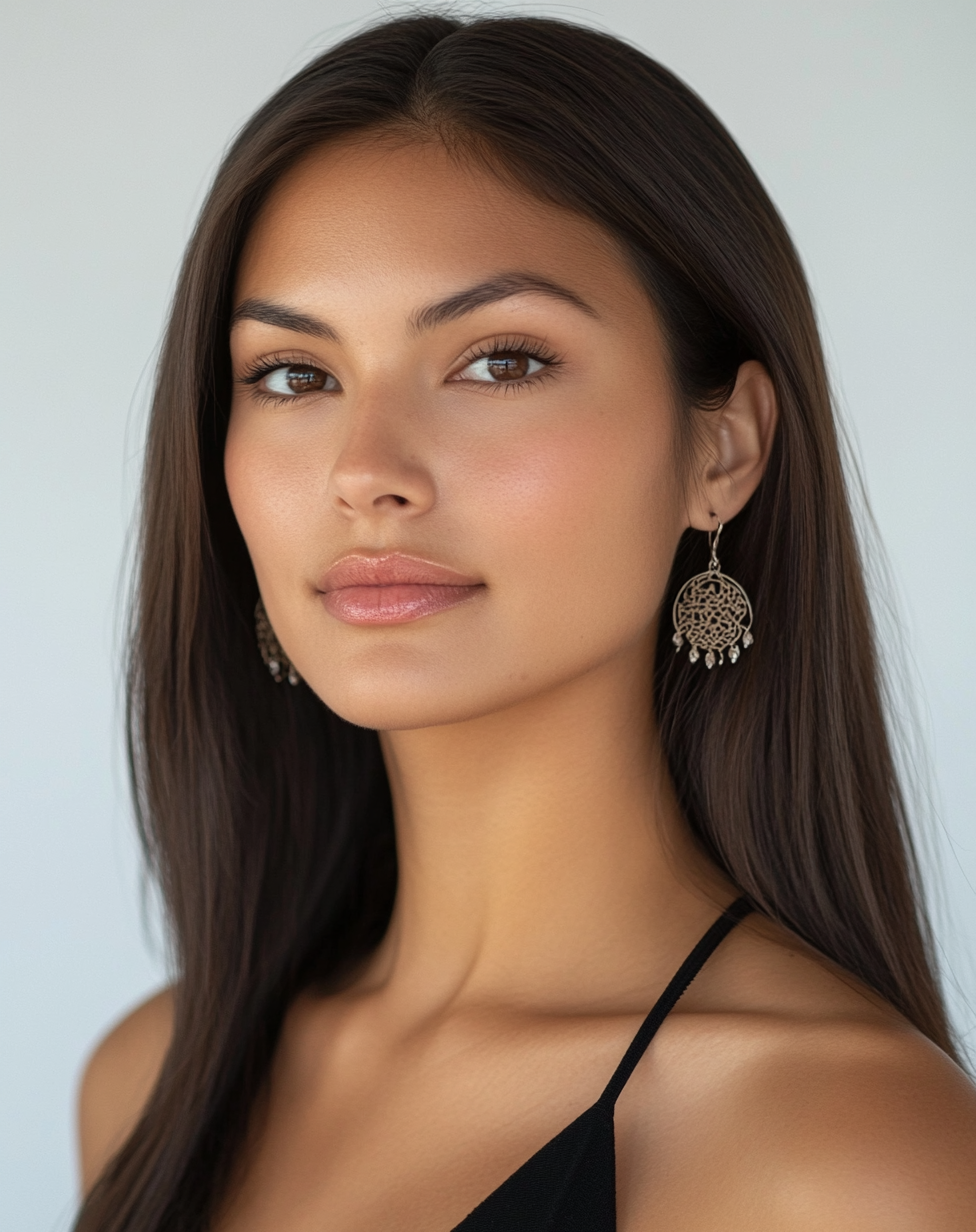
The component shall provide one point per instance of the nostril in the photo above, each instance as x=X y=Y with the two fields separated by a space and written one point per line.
x=400 y=500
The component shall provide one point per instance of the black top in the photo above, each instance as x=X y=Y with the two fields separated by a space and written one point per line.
x=569 y=1185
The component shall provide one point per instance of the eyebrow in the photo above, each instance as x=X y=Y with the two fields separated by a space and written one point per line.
x=491 y=291
x=283 y=318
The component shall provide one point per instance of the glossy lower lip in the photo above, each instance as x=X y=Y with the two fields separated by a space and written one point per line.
x=396 y=604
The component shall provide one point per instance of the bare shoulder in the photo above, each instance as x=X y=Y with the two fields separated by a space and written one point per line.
x=864 y=1127
x=796 y=1100
x=118 y=1079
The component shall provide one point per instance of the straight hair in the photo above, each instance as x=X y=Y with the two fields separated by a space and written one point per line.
x=266 y=818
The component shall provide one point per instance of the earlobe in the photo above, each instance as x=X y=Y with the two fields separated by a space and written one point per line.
x=735 y=445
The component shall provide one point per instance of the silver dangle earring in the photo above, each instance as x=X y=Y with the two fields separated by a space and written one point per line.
x=275 y=659
x=712 y=613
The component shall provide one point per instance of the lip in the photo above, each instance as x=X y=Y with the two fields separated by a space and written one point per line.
x=392 y=588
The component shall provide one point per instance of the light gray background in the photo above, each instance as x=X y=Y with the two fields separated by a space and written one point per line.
x=858 y=115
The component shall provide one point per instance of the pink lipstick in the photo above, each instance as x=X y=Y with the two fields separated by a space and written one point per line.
x=392 y=589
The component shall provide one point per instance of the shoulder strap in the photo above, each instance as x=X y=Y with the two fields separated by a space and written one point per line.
x=669 y=998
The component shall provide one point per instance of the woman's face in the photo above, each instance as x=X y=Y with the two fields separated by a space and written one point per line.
x=452 y=444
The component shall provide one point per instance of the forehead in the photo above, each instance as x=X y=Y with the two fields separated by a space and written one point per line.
x=413 y=217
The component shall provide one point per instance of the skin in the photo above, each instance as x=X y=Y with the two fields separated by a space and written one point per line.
x=548 y=886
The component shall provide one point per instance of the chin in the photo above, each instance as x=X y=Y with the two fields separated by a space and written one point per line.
x=396 y=700
x=406 y=696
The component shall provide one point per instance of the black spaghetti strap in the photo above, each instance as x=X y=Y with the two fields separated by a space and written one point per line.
x=669 y=998
x=570 y=1183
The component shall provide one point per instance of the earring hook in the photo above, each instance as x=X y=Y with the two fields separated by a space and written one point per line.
x=713 y=544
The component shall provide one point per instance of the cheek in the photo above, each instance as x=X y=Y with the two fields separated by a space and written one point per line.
x=584 y=522
x=271 y=489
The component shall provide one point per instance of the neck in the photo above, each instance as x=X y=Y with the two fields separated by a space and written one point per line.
x=543 y=859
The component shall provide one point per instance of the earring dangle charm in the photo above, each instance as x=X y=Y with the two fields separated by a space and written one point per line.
x=275 y=659
x=712 y=613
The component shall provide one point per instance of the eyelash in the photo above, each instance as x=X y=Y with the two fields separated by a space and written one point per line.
x=514 y=344
x=281 y=359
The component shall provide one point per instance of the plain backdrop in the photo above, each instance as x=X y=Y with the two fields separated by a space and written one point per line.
x=859 y=116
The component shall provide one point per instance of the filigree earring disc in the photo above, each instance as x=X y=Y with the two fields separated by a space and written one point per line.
x=712 y=613
x=275 y=659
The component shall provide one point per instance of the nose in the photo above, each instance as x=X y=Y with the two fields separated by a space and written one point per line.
x=379 y=471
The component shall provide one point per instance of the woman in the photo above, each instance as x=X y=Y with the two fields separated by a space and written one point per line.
x=491 y=431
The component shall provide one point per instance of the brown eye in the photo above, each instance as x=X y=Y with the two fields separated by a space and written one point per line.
x=508 y=367
x=501 y=366
x=299 y=379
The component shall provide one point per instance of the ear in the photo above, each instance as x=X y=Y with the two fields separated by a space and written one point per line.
x=734 y=445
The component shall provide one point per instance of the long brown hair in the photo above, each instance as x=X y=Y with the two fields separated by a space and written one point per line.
x=266 y=818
